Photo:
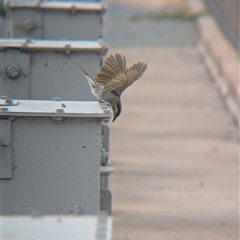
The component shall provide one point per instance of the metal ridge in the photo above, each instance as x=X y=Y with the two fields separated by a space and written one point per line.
x=57 y=5
x=54 y=45
x=50 y=108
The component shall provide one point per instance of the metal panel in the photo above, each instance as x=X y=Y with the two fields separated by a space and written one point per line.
x=55 y=45
x=56 y=20
x=71 y=26
x=56 y=157
x=106 y=201
x=55 y=228
x=47 y=70
x=5 y=149
x=26 y=23
x=56 y=167
x=56 y=108
x=53 y=74
x=17 y=85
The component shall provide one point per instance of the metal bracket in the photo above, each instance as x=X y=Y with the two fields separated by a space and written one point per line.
x=5 y=101
x=5 y=149
x=106 y=201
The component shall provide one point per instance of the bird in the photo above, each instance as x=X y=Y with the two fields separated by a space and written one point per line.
x=112 y=79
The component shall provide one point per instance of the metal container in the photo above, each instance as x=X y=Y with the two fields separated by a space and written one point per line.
x=55 y=19
x=51 y=156
x=43 y=69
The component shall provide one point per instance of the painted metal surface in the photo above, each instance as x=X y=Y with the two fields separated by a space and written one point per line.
x=46 y=69
x=57 y=227
x=5 y=149
x=39 y=108
x=55 y=157
x=55 y=19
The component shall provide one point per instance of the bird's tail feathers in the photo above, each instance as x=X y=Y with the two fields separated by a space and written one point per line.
x=96 y=89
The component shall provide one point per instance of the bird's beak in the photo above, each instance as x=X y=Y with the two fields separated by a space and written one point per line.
x=117 y=110
x=115 y=113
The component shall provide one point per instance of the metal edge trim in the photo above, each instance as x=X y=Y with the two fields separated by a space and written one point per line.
x=55 y=45
x=7 y=113
x=57 y=5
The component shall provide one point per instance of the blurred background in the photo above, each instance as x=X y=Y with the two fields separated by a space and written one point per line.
x=175 y=146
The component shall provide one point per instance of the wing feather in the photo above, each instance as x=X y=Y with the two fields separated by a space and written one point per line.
x=125 y=79
x=113 y=66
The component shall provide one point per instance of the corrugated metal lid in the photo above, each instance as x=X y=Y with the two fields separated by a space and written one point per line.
x=9 y=107
x=53 y=45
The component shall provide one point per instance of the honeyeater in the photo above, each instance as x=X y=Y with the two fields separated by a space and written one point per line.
x=112 y=79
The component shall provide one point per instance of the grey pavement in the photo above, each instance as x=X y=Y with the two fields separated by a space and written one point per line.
x=175 y=146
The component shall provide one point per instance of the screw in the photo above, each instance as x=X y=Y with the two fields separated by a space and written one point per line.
x=13 y=71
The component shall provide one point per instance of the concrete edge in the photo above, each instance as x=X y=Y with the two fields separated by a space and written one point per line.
x=222 y=62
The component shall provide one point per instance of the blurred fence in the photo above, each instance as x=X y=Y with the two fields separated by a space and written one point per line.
x=227 y=14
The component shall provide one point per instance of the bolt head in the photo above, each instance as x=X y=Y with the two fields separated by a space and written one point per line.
x=13 y=71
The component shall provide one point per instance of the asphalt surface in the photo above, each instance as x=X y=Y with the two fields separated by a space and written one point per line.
x=175 y=146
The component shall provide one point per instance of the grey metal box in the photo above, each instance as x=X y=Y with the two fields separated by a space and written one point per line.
x=50 y=156
x=43 y=69
x=55 y=19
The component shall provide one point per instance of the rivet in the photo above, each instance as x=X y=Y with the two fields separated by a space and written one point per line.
x=5 y=143
x=26 y=73
x=13 y=71
x=29 y=24
x=59 y=110
x=76 y=210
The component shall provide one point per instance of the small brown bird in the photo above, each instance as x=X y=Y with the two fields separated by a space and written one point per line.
x=112 y=79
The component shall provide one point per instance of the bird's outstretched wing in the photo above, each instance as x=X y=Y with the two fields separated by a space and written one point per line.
x=112 y=67
x=124 y=79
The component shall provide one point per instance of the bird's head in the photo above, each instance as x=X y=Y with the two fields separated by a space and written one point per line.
x=117 y=109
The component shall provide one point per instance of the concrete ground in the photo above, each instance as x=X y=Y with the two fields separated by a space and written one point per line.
x=175 y=147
